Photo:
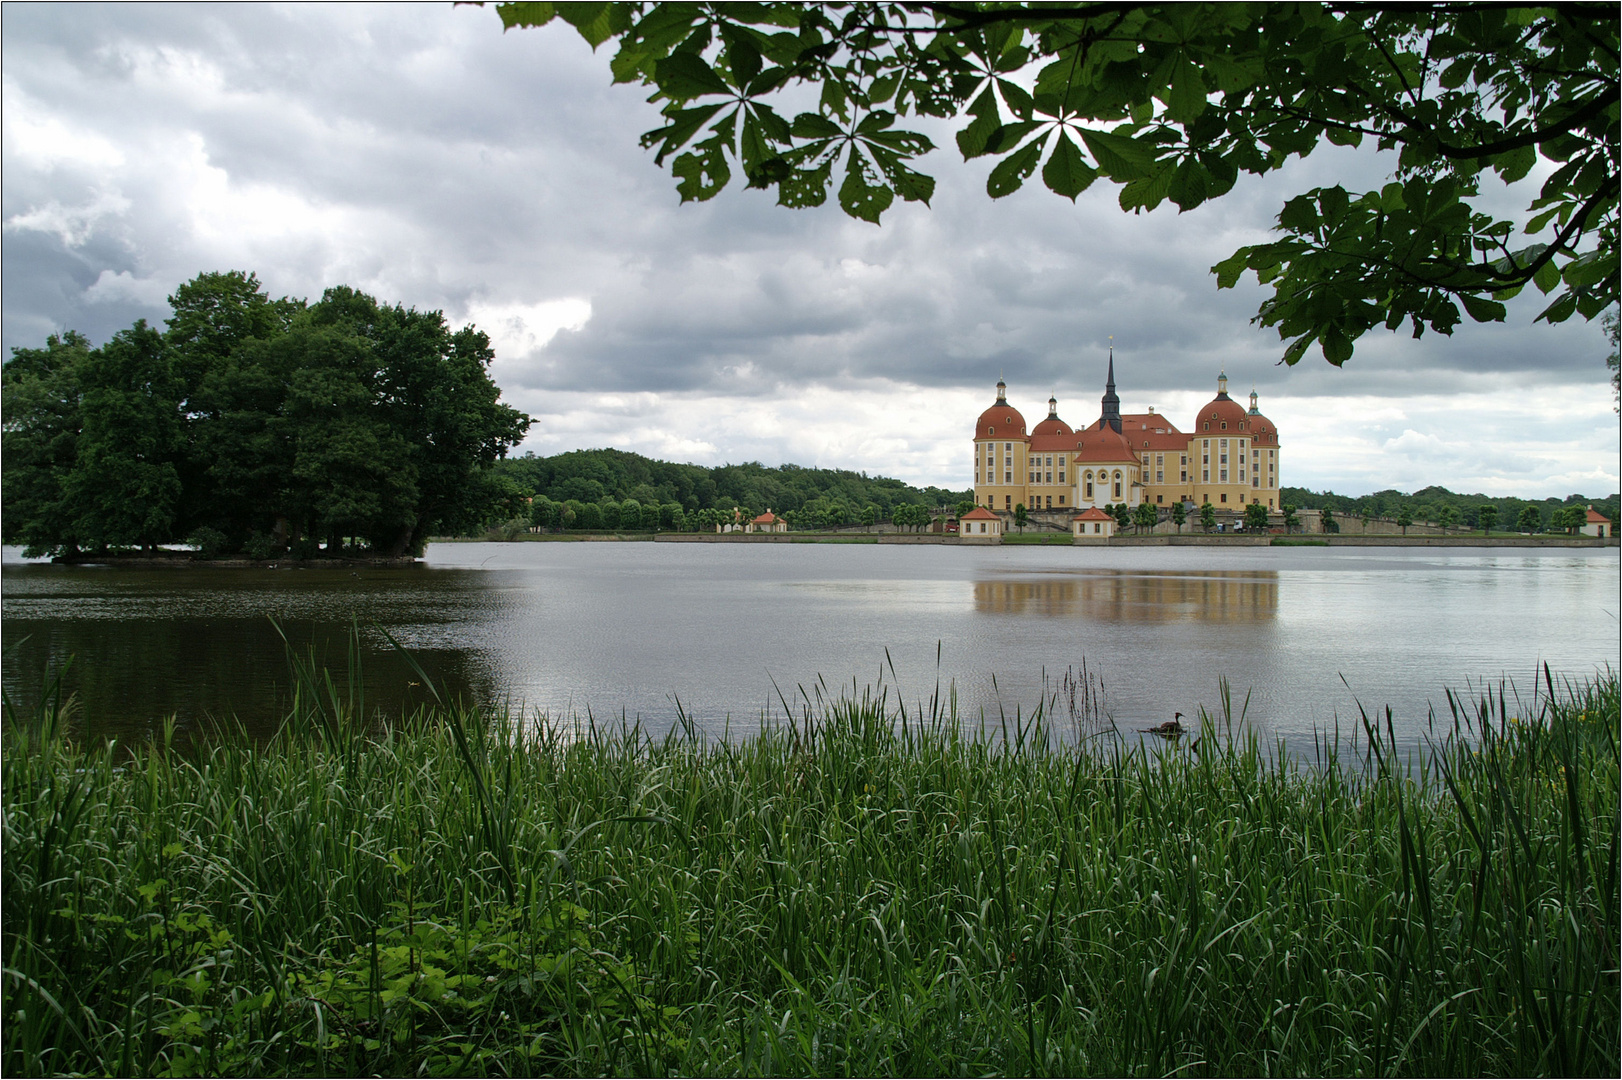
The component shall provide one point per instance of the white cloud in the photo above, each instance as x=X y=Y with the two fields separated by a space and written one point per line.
x=518 y=331
x=72 y=224
x=123 y=286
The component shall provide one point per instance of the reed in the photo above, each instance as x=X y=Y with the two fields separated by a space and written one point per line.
x=862 y=888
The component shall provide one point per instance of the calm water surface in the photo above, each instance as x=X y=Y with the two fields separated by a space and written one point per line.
x=631 y=628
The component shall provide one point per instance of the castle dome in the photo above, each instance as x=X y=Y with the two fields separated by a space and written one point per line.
x=1052 y=433
x=1002 y=420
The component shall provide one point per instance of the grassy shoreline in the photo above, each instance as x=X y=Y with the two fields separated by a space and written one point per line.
x=860 y=891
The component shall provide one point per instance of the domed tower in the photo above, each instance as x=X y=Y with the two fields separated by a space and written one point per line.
x=1052 y=487
x=1231 y=463
x=1264 y=454
x=1000 y=451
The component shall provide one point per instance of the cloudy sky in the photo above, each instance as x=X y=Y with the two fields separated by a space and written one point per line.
x=422 y=155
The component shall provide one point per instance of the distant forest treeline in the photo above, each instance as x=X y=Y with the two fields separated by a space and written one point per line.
x=601 y=476
x=1433 y=504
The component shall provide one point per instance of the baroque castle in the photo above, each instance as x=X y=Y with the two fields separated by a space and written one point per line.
x=1229 y=458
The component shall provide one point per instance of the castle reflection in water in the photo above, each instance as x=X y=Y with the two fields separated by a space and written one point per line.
x=1134 y=596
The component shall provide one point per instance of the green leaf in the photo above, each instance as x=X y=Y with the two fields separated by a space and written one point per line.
x=858 y=197
x=1547 y=277
x=1515 y=164
x=1298 y=349
x=804 y=187
x=1337 y=347
x=1590 y=269
x=1333 y=202
x=1187 y=98
x=704 y=173
x=1299 y=215
x=1187 y=188
x=1017 y=100
x=1560 y=310
x=684 y=76
x=1066 y=172
x=1482 y=310
x=683 y=126
x=525 y=14
x=814 y=126
x=1149 y=192
x=596 y=22
x=1229 y=270
x=1011 y=172
x=1009 y=136
x=1119 y=157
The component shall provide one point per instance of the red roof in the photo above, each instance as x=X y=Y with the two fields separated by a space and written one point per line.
x=1103 y=443
x=768 y=518
x=1152 y=431
x=980 y=513
x=1597 y=518
x=1001 y=421
x=1052 y=436
x=1092 y=513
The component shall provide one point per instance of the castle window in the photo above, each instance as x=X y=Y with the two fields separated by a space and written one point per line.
x=1061 y=500
x=1206 y=426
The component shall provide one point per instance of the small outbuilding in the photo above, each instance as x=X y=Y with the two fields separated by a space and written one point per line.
x=980 y=526
x=1598 y=524
x=1091 y=526
x=768 y=523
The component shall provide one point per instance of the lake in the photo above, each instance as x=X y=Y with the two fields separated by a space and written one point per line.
x=605 y=630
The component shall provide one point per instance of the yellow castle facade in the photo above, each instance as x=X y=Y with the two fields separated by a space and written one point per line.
x=1229 y=457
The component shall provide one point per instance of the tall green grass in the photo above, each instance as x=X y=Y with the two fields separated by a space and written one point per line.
x=859 y=890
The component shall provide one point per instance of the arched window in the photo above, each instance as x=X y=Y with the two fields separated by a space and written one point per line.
x=991 y=431
x=1206 y=426
x=1224 y=425
x=1117 y=484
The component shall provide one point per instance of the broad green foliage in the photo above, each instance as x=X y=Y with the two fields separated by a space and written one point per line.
x=1255 y=516
x=1171 y=102
x=257 y=426
x=1145 y=516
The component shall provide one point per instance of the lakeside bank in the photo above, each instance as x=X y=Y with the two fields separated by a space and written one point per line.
x=857 y=891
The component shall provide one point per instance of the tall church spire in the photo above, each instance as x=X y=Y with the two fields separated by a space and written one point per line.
x=1112 y=401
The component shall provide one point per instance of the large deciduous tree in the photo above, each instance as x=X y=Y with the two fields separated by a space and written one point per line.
x=257 y=418
x=1171 y=102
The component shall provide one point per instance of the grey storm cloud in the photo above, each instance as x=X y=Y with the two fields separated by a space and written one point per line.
x=423 y=155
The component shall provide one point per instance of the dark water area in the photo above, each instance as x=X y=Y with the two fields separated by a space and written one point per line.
x=731 y=631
